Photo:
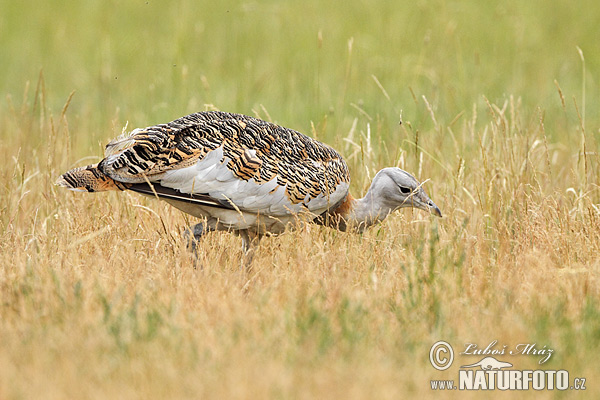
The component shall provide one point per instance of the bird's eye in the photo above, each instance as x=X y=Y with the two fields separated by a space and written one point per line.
x=405 y=190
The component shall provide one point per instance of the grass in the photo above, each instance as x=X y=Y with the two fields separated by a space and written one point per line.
x=499 y=103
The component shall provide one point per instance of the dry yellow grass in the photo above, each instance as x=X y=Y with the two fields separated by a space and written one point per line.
x=98 y=296
x=100 y=300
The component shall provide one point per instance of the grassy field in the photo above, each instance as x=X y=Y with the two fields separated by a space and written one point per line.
x=500 y=111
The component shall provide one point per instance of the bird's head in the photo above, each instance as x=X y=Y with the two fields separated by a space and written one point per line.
x=398 y=189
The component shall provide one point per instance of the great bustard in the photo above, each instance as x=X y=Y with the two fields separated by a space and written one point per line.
x=245 y=175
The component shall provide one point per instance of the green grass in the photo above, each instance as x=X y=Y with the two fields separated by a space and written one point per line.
x=500 y=111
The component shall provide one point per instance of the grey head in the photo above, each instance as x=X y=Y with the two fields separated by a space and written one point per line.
x=396 y=188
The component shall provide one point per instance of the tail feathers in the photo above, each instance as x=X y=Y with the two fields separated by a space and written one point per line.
x=89 y=179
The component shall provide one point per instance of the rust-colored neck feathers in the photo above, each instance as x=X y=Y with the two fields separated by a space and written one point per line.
x=338 y=217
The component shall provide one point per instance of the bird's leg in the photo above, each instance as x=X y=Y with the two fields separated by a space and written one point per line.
x=249 y=242
x=193 y=234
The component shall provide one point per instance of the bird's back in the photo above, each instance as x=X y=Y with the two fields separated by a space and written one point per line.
x=239 y=162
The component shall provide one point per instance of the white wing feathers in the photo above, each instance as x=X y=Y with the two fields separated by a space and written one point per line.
x=212 y=177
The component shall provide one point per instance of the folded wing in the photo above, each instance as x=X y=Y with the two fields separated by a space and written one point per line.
x=227 y=160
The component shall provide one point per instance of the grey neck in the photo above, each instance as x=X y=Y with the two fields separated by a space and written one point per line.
x=368 y=211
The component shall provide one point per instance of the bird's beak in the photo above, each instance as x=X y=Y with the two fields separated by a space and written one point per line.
x=435 y=210
x=425 y=203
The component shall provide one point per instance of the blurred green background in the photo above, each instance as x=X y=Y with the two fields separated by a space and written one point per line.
x=515 y=257
x=149 y=62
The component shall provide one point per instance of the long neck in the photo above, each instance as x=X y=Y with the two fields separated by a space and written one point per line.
x=359 y=214
x=368 y=211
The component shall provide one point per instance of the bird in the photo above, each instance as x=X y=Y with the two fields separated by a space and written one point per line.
x=245 y=175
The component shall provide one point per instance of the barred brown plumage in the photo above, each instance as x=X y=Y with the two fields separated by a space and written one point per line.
x=244 y=174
